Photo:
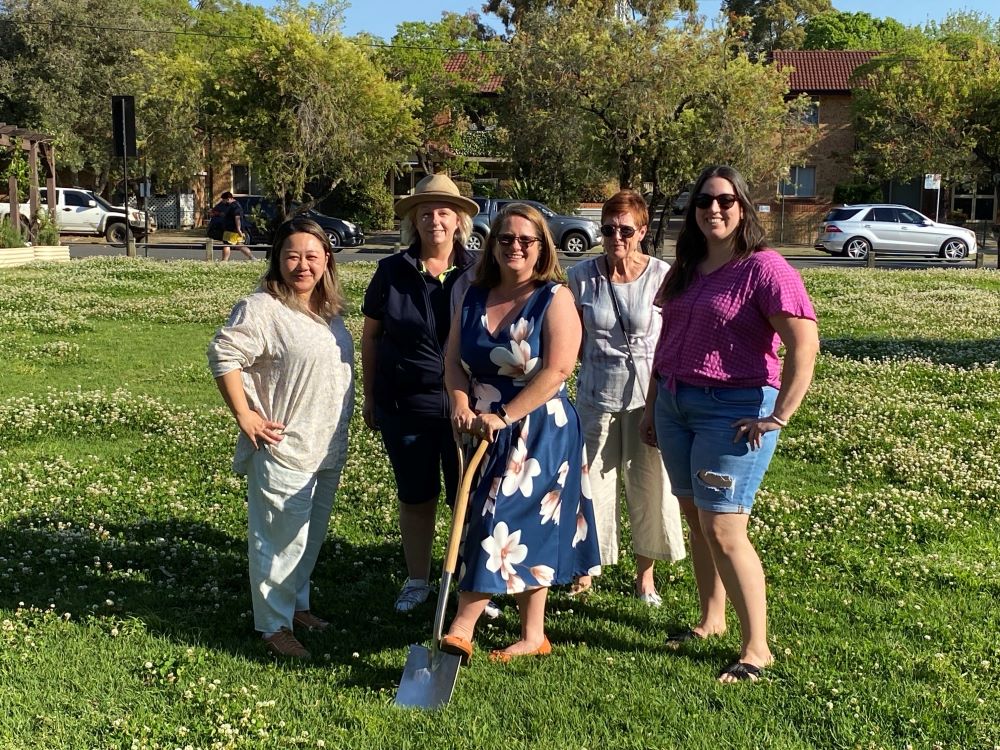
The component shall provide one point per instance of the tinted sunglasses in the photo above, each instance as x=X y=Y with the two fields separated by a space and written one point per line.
x=508 y=239
x=608 y=230
x=705 y=200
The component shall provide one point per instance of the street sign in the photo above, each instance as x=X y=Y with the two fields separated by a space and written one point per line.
x=932 y=182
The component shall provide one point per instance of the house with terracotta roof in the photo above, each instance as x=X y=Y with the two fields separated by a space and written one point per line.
x=798 y=204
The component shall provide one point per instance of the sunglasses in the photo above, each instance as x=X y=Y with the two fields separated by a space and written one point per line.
x=608 y=230
x=507 y=240
x=705 y=200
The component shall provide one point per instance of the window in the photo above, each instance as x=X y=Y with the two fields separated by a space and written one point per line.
x=977 y=206
x=811 y=115
x=73 y=198
x=906 y=216
x=882 y=214
x=801 y=183
x=241 y=179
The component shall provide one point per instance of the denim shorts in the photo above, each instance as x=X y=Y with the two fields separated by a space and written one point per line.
x=694 y=429
x=420 y=449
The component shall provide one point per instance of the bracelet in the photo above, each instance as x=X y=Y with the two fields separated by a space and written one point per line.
x=779 y=420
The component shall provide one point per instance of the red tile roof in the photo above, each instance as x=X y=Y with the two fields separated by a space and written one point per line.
x=821 y=71
x=461 y=63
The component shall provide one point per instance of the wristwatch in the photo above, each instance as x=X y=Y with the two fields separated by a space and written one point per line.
x=502 y=413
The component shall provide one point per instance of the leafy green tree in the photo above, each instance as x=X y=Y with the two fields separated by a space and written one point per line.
x=773 y=24
x=859 y=31
x=510 y=12
x=447 y=96
x=307 y=107
x=641 y=100
x=931 y=109
x=58 y=78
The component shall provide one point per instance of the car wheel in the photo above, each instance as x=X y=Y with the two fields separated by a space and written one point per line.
x=115 y=233
x=954 y=249
x=575 y=243
x=477 y=241
x=335 y=242
x=857 y=248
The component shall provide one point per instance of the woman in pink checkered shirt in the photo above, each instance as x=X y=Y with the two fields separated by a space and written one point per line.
x=721 y=395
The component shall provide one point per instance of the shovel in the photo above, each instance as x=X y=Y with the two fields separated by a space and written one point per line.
x=430 y=674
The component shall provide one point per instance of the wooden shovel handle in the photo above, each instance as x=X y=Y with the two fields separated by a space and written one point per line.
x=461 y=503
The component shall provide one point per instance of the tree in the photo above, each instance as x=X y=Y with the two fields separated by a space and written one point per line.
x=445 y=85
x=641 y=100
x=310 y=108
x=56 y=77
x=773 y=24
x=859 y=31
x=930 y=109
x=510 y=12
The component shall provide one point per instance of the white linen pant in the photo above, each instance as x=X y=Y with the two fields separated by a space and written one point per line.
x=619 y=460
x=288 y=515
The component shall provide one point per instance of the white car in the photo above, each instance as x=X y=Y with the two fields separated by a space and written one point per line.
x=854 y=231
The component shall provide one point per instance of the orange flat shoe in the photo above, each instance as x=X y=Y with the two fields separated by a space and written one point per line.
x=453 y=644
x=503 y=657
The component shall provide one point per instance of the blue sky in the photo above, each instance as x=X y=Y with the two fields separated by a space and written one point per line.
x=380 y=17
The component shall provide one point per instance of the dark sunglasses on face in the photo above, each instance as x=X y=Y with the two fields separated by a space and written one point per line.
x=608 y=230
x=508 y=239
x=705 y=200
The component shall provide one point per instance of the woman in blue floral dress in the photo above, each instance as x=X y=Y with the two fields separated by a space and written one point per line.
x=512 y=346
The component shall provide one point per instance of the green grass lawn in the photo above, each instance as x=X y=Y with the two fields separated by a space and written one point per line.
x=124 y=609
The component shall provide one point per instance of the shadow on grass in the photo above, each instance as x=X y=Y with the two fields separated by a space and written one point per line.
x=962 y=353
x=187 y=581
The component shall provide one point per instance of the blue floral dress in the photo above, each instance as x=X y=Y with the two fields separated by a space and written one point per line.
x=530 y=520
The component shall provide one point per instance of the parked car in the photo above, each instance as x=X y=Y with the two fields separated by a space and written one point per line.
x=854 y=231
x=575 y=235
x=680 y=203
x=260 y=218
x=80 y=211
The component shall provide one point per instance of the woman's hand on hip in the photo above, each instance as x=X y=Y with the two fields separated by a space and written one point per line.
x=752 y=429
x=260 y=430
x=647 y=429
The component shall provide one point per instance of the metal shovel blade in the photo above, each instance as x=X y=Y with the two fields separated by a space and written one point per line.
x=428 y=678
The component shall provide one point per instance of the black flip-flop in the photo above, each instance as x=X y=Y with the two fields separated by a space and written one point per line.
x=742 y=671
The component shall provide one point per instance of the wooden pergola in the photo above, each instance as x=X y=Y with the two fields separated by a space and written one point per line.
x=36 y=145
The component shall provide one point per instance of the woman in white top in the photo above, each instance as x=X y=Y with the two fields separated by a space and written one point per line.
x=614 y=295
x=284 y=364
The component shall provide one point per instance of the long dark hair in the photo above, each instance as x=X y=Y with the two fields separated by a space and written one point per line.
x=692 y=248
x=326 y=296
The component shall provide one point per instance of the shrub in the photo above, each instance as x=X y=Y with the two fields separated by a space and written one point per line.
x=857 y=192
x=367 y=205
x=47 y=229
x=464 y=188
x=10 y=236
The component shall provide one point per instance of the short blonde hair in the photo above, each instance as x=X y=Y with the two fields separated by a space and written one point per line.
x=547 y=266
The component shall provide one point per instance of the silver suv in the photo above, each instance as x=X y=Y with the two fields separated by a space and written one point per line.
x=854 y=231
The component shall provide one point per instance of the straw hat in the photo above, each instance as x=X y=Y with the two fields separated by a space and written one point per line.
x=436 y=188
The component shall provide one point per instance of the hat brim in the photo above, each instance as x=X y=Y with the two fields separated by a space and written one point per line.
x=465 y=205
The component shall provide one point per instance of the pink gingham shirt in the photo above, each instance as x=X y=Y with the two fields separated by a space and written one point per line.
x=717 y=333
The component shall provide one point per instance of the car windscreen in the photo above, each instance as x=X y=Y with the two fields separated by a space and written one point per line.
x=842 y=214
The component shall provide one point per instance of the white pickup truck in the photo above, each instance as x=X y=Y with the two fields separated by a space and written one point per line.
x=80 y=211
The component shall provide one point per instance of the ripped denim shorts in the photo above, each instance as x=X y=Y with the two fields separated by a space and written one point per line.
x=695 y=433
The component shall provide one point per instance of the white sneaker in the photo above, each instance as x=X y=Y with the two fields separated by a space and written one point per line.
x=492 y=610
x=413 y=594
x=652 y=599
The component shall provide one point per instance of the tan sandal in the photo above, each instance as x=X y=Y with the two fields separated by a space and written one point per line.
x=579 y=587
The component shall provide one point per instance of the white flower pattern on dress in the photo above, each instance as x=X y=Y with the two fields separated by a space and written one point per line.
x=550 y=507
x=555 y=407
x=543 y=574
x=485 y=396
x=505 y=551
x=516 y=361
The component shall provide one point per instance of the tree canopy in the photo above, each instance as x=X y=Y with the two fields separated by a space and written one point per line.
x=858 y=31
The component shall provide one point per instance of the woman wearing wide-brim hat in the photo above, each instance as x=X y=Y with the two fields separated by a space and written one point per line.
x=408 y=309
